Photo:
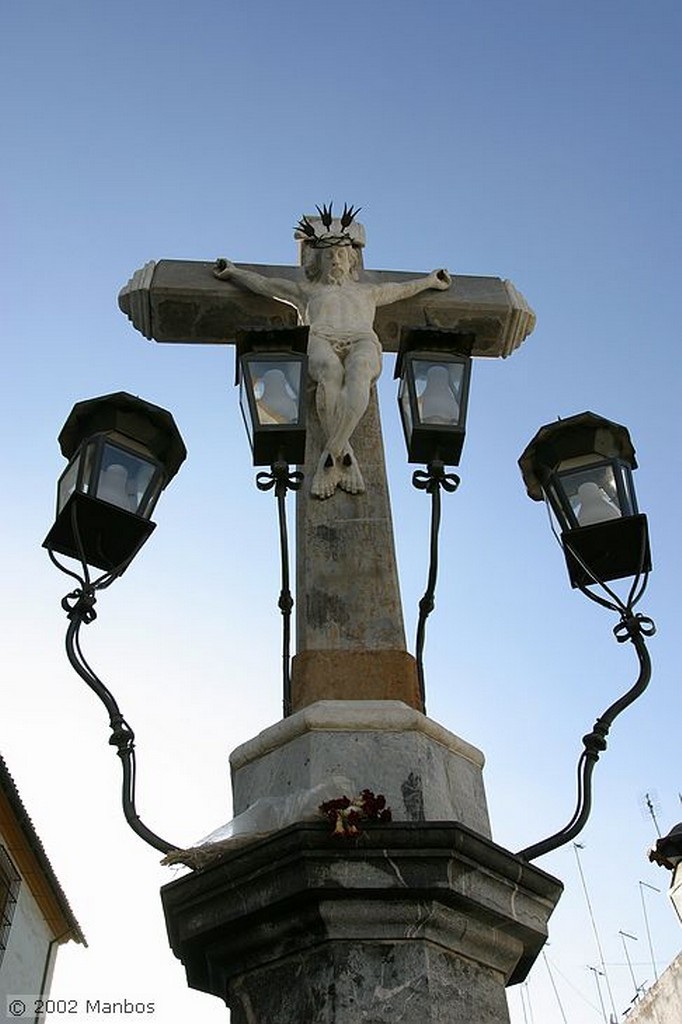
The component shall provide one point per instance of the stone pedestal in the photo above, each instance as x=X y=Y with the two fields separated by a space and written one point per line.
x=412 y=923
x=425 y=772
x=423 y=920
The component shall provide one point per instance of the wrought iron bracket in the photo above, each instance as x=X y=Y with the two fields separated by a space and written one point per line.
x=430 y=480
x=632 y=627
x=79 y=606
x=282 y=479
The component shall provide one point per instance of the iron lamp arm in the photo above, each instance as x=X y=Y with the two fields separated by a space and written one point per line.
x=79 y=606
x=282 y=479
x=635 y=628
x=431 y=480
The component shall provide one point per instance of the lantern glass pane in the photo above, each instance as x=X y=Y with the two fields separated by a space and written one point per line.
x=78 y=474
x=555 y=505
x=124 y=479
x=149 y=498
x=405 y=406
x=89 y=458
x=276 y=387
x=244 y=386
x=593 y=494
x=629 y=498
x=67 y=483
x=438 y=387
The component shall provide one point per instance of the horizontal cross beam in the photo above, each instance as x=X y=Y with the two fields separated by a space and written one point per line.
x=181 y=301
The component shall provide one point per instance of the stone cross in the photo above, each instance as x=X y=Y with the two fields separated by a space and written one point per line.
x=350 y=632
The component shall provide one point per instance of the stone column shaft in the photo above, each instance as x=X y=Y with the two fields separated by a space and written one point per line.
x=349 y=620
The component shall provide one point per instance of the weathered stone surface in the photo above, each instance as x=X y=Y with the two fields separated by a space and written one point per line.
x=372 y=983
x=354 y=675
x=181 y=301
x=347 y=593
x=662 y=1003
x=411 y=923
x=424 y=771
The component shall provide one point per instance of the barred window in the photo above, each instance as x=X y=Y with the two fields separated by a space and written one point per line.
x=9 y=891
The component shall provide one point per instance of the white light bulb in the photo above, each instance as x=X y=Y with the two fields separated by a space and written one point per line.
x=113 y=486
x=595 y=505
x=277 y=404
x=438 y=403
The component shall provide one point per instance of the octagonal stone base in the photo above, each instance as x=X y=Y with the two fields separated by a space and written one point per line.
x=425 y=772
x=412 y=923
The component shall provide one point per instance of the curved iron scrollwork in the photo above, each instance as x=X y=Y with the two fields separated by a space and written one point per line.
x=430 y=480
x=282 y=479
x=79 y=606
x=632 y=627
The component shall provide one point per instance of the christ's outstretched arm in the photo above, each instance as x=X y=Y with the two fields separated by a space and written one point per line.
x=395 y=291
x=272 y=287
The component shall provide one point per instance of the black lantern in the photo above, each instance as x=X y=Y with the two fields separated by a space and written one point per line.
x=434 y=367
x=668 y=853
x=271 y=372
x=583 y=467
x=123 y=452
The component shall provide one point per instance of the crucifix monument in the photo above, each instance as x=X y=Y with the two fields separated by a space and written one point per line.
x=422 y=919
x=349 y=625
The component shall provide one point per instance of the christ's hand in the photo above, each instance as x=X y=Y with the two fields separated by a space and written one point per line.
x=222 y=268
x=441 y=279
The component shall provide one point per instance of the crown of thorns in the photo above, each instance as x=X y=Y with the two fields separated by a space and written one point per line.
x=310 y=235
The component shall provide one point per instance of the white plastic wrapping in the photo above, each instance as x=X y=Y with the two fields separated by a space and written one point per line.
x=267 y=815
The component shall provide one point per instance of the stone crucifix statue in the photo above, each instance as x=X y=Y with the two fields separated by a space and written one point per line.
x=344 y=352
x=350 y=634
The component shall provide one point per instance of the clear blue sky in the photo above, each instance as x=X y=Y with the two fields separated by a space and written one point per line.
x=537 y=141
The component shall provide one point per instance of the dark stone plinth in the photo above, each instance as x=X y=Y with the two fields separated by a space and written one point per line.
x=412 y=923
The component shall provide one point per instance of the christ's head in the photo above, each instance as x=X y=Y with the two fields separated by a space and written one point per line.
x=332 y=264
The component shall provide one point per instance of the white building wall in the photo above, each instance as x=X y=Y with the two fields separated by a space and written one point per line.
x=23 y=964
x=663 y=1002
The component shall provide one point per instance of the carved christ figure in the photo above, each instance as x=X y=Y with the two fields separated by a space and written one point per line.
x=344 y=353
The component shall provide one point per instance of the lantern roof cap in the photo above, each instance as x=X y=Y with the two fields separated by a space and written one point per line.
x=272 y=341
x=668 y=849
x=148 y=424
x=569 y=438
x=435 y=339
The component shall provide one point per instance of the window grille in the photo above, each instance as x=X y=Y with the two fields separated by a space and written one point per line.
x=9 y=892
